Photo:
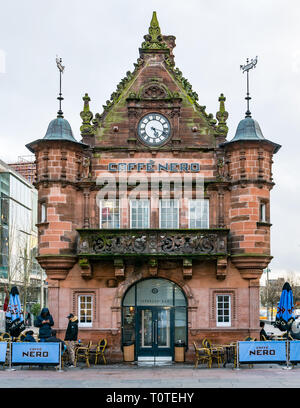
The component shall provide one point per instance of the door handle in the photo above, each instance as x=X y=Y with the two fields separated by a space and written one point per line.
x=156 y=334
x=153 y=332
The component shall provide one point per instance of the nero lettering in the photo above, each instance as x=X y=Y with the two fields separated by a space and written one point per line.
x=34 y=354
x=262 y=352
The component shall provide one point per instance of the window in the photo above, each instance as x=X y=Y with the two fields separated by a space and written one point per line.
x=139 y=213
x=223 y=310
x=169 y=214
x=4 y=205
x=262 y=212
x=43 y=213
x=109 y=214
x=199 y=213
x=85 y=310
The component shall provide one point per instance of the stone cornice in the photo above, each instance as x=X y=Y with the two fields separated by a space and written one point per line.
x=250 y=265
x=57 y=266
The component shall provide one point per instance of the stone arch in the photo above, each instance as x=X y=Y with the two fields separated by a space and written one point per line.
x=132 y=280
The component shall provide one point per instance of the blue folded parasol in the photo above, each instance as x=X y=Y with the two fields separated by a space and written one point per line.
x=285 y=311
x=14 y=315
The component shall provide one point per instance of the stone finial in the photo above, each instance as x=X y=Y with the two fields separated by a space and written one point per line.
x=86 y=115
x=154 y=39
x=222 y=116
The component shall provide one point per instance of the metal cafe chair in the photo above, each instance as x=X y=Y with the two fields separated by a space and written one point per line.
x=202 y=355
x=217 y=352
x=6 y=337
x=21 y=337
x=100 y=349
x=83 y=352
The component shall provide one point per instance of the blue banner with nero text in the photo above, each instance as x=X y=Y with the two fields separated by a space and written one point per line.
x=3 y=349
x=294 y=350
x=262 y=351
x=35 y=353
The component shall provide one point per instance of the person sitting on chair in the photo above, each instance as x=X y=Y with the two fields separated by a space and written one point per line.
x=54 y=339
x=29 y=337
x=263 y=332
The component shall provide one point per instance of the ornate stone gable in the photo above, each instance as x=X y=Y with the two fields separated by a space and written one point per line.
x=154 y=85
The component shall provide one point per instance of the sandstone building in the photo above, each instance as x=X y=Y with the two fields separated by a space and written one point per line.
x=145 y=262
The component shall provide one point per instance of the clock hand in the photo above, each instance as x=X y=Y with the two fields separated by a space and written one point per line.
x=155 y=129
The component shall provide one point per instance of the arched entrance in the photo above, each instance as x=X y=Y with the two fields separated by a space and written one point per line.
x=154 y=317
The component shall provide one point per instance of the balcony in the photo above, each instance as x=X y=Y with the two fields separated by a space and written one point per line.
x=111 y=243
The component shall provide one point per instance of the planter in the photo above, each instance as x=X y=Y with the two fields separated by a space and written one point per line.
x=179 y=352
x=128 y=352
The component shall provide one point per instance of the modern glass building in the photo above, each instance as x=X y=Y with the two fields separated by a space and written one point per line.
x=18 y=232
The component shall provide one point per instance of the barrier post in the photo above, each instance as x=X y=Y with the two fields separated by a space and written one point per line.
x=288 y=367
x=237 y=356
x=10 y=356
x=59 y=366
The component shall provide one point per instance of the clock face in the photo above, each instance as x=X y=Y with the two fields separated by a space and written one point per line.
x=154 y=129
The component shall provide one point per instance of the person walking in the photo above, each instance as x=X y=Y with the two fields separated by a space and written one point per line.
x=44 y=321
x=28 y=319
x=71 y=337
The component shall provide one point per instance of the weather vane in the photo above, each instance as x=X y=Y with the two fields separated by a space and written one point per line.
x=246 y=68
x=60 y=98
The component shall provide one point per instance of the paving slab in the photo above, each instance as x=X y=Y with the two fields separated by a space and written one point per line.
x=175 y=376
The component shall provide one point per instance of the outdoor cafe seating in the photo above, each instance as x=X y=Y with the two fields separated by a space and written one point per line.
x=99 y=351
x=202 y=355
x=217 y=351
x=82 y=352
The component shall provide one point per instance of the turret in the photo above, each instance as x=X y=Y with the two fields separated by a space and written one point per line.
x=248 y=158
x=59 y=161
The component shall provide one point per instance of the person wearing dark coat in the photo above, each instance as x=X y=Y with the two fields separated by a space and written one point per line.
x=44 y=321
x=54 y=339
x=263 y=334
x=29 y=337
x=71 y=337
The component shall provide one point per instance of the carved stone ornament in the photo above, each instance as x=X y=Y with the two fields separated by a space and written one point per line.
x=86 y=270
x=187 y=268
x=157 y=242
x=153 y=91
x=221 y=268
x=152 y=267
x=119 y=267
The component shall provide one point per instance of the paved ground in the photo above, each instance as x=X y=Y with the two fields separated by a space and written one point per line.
x=177 y=376
x=131 y=376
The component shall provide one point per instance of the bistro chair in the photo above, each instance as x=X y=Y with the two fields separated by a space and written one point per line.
x=217 y=352
x=83 y=352
x=202 y=355
x=64 y=358
x=21 y=337
x=233 y=345
x=263 y=337
x=101 y=346
x=6 y=337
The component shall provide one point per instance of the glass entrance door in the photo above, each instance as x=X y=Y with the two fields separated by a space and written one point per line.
x=154 y=337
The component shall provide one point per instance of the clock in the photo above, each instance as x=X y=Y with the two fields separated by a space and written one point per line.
x=154 y=129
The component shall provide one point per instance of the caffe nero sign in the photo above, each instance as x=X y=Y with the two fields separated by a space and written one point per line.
x=262 y=351
x=152 y=166
x=35 y=353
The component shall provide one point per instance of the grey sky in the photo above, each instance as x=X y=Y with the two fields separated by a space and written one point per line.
x=99 y=40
